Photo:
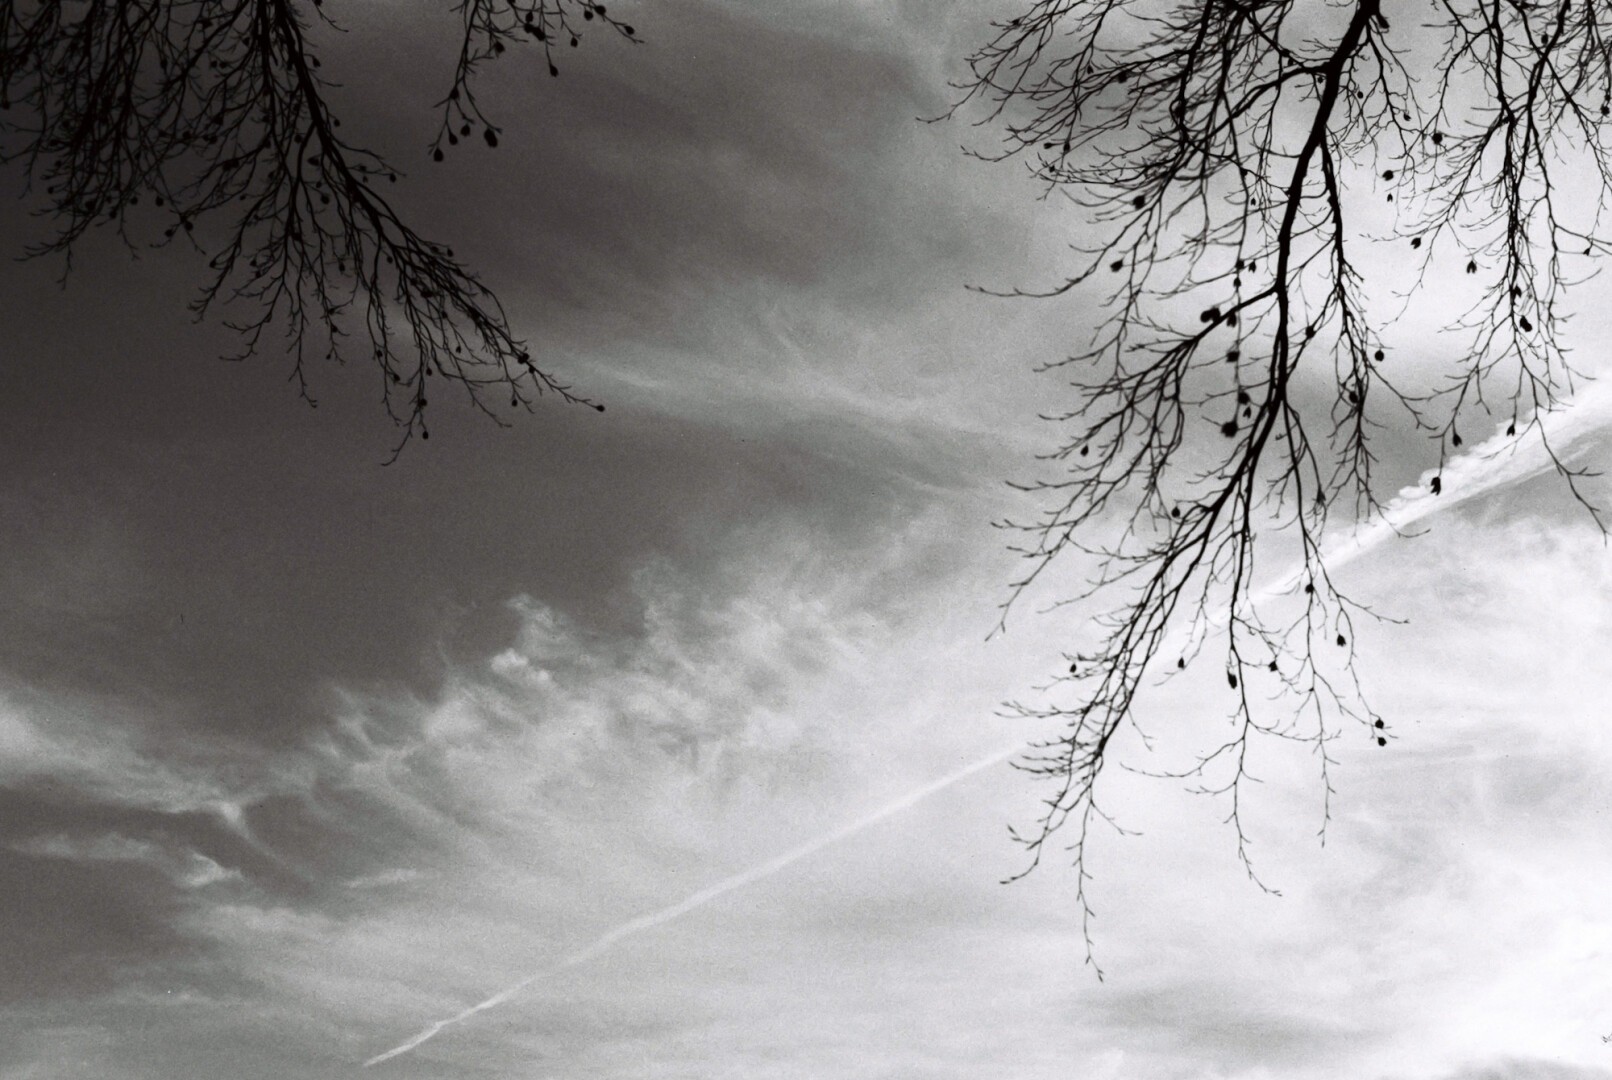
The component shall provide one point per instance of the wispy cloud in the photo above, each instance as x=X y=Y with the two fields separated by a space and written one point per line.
x=188 y=869
x=521 y=817
x=1487 y=467
x=93 y=747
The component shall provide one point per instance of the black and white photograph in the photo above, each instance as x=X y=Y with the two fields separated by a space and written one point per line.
x=806 y=540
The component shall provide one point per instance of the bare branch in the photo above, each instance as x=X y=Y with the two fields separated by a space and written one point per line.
x=216 y=115
x=1218 y=150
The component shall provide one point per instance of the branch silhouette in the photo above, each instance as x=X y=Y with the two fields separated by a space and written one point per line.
x=210 y=121
x=1217 y=152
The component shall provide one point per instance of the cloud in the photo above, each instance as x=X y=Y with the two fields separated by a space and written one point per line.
x=439 y=843
x=188 y=869
x=567 y=783
x=1223 y=981
x=762 y=700
x=1527 y=1069
x=384 y=878
x=85 y=746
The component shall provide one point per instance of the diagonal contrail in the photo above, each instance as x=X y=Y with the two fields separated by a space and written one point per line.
x=706 y=895
x=1498 y=461
x=1494 y=463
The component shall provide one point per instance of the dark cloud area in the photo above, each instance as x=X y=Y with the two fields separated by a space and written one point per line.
x=185 y=527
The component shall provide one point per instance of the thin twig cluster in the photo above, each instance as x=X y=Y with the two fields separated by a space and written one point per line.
x=209 y=121
x=1218 y=151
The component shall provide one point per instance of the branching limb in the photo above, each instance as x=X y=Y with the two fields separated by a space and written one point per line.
x=1219 y=150
x=209 y=120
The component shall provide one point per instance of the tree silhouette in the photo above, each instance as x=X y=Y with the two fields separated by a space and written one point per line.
x=216 y=114
x=1221 y=153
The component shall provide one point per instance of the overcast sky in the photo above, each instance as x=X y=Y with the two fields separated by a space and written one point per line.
x=300 y=755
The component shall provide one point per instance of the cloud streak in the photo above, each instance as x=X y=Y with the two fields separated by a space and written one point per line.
x=705 y=896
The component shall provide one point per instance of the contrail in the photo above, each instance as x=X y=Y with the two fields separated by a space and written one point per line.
x=1493 y=463
x=1500 y=460
x=706 y=895
x=1497 y=461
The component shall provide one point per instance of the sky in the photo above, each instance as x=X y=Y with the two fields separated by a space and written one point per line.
x=667 y=742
